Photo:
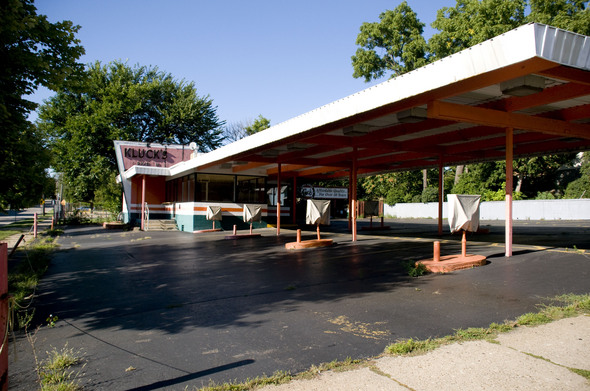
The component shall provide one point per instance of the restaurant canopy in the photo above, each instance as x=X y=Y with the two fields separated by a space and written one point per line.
x=534 y=79
x=523 y=93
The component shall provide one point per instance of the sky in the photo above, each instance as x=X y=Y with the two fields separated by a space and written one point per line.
x=274 y=58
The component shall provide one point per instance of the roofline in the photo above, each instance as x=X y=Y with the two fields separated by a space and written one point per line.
x=534 y=41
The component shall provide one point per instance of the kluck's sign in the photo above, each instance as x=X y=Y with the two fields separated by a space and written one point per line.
x=154 y=156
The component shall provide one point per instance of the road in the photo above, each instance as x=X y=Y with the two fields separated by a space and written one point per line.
x=24 y=214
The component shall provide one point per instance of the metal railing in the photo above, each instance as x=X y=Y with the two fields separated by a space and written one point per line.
x=146 y=216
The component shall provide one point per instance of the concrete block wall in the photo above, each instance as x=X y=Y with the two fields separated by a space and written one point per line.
x=578 y=209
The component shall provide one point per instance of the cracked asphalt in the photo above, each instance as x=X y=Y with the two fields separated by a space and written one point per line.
x=170 y=310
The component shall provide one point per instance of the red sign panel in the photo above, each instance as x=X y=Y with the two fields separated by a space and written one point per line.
x=134 y=155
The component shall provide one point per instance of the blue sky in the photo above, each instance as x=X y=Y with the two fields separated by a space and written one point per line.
x=270 y=57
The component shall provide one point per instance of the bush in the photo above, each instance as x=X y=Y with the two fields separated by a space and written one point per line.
x=546 y=195
x=430 y=194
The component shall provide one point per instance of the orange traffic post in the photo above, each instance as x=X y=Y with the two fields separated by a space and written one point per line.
x=436 y=255
x=298 y=236
x=250 y=228
x=235 y=229
x=464 y=245
x=318 y=229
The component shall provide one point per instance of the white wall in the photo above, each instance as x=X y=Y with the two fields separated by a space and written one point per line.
x=495 y=210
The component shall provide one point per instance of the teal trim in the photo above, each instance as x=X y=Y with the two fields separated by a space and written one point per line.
x=199 y=222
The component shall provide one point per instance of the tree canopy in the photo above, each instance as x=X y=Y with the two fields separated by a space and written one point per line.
x=238 y=130
x=119 y=102
x=33 y=52
x=395 y=45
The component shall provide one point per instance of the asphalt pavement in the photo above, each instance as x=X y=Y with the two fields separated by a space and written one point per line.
x=171 y=310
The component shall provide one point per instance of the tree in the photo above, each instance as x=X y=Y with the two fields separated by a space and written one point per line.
x=399 y=37
x=580 y=188
x=33 y=52
x=258 y=125
x=472 y=22
x=117 y=102
x=571 y=15
x=395 y=45
x=238 y=130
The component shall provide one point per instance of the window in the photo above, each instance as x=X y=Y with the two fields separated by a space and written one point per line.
x=251 y=189
x=215 y=187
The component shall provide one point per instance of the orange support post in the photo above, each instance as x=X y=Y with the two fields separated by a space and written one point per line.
x=441 y=198
x=354 y=201
x=278 y=200
x=294 y=210
x=142 y=201
x=509 y=184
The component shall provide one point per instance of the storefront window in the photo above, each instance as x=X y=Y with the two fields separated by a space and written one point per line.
x=215 y=187
x=250 y=189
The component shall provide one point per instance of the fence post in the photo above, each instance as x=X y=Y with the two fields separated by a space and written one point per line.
x=35 y=225
x=4 y=316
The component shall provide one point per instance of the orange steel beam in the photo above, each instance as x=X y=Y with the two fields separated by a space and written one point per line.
x=547 y=96
x=319 y=170
x=286 y=168
x=248 y=166
x=568 y=74
x=478 y=115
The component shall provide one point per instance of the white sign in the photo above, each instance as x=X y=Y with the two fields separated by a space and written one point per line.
x=329 y=193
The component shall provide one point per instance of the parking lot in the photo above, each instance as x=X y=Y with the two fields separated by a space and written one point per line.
x=169 y=310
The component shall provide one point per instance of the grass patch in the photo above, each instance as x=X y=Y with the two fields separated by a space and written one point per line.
x=25 y=276
x=414 y=269
x=282 y=377
x=582 y=372
x=571 y=305
x=55 y=373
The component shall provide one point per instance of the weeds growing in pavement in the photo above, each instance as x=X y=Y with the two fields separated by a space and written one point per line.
x=24 y=278
x=415 y=269
x=571 y=305
x=55 y=373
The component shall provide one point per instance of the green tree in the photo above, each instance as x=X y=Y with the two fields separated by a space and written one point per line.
x=33 y=52
x=580 y=188
x=571 y=15
x=471 y=22
x=395 y=44
x=258 y=125
x=118 y=102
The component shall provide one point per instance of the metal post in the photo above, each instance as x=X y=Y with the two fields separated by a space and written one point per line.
x=354 y=201
x=509 y=184
x=35 y=225
x=294 y=211
x=440 y=196
x=279 y=200
x=142 y=201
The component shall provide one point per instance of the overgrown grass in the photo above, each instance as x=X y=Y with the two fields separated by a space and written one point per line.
x=282 y=377
x=563 y=306
x=414 y=269
x=19 y=227
x=55 y=373
x=24 y=278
